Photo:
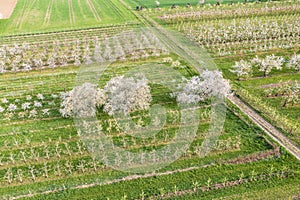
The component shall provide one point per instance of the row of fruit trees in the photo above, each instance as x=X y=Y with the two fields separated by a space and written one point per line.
x=126 y=46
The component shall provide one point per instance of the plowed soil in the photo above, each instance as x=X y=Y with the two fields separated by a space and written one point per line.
x=6 y=8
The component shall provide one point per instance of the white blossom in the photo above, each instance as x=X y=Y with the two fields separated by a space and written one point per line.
x=26 y=67
x=242 y=69
x=176 y=63
x=26 y=106
x=40 y=96
x=125 y=95
x=167 y=60
x=45 y=111
x=81 y=101
x=54 y=96
x=28 y=97
x=268 y=63
x=200 y=88
x=1 y=109
x=294 y=62
x=4 y=100
x=77 y=62
x=51 y=103
x=33 y=113
x=51 y=62
x=100 y=97
x=37 y=104
x=12 y=107
x=2 y=67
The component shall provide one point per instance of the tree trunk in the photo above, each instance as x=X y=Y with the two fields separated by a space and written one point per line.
x=284 y=103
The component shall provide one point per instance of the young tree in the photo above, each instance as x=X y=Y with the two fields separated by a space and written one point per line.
x=157 y=3
x=242 y=69
x=196 y=185
x=51 y=62
x=294 y=62
x=2 y=67
x=224 y=181
x=98 y=54
x=57 y=170
x=8 y=176
x=208 y=183
x=32 y=172
x=269 y=63
x=77 y=61
x=20 y=175
x=290 y=93
x=118 y=50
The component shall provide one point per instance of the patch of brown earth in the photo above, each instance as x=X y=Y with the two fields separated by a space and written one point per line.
x=6 y=8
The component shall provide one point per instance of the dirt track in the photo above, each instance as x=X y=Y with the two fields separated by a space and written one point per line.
x=6 y=8
x=266 y=126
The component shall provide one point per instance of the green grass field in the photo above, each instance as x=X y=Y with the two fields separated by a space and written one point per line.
x=53 y=15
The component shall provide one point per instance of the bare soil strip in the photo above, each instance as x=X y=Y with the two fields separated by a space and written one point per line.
x=7 y=7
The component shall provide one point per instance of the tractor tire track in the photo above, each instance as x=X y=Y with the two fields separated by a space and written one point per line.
x=18 y=19
x=71 y=12
x=266 y=126
x=48 y=13
x=93 y=10
x=26 y=13
x=81 y=9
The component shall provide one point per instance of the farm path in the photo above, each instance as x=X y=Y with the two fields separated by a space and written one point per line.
x=194 y=54
x=266 y=126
